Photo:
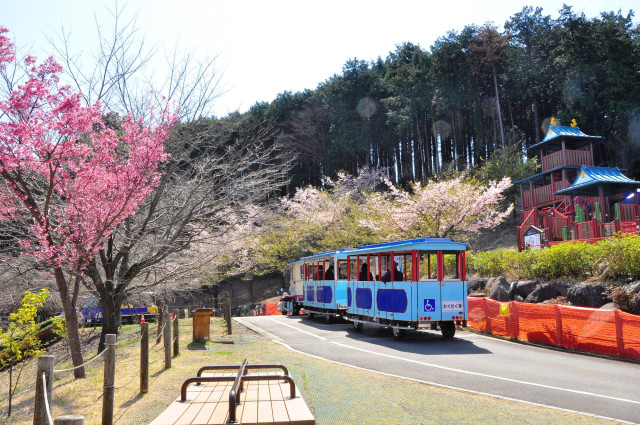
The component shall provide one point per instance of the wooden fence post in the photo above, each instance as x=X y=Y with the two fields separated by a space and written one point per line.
x=160 y=320
x=176 y=332
x=167 y=339
x=108 y=391
x=69 y=420
x=144 y=358
x=45 y=365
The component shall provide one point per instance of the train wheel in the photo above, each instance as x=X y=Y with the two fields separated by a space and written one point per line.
x=311 y=315
x=448 y=329
x=358 y=326
x=399 y=333
x=328 y=318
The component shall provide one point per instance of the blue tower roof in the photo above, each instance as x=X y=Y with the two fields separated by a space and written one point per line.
x=593 y=179
x=557 y=132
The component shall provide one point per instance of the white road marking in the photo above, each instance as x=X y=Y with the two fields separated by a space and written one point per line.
x=298 y=329
x=453 y=388
x=484 y=375
x=460 y=370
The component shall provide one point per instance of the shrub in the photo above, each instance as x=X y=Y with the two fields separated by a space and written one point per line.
x=488 y=263
x=619 y=258
x=610 y=259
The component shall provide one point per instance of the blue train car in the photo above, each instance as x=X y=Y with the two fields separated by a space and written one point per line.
x=411 y=285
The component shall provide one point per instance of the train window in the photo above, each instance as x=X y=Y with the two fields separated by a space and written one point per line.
x=342 y=269
x=428 y=265
x=353 y=268
x=450 y=265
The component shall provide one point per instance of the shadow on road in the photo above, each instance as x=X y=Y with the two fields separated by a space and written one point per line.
x=423 y=342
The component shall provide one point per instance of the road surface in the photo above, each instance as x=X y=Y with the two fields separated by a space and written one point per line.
x=473 y=362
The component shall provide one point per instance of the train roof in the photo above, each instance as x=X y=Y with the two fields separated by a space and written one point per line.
x=443 y=244
x=340 y=253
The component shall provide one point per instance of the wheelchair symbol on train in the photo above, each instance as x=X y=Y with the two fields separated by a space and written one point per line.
x=429 y=304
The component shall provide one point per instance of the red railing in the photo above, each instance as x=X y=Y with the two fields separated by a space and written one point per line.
x=543 y=194
x=574 y=157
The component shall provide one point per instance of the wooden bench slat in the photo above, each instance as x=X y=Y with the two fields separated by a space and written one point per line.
x=280 y=414
x=265 y=414
x=261 y=402
x=249 y=413
x=171 y=414
x=190 y=414
x=221 y=412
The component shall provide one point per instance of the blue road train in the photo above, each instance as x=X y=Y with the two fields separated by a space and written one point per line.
x=409 y=285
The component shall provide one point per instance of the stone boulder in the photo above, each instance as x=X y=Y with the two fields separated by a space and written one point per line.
x=542 y=293
x=633 y=287
x=588 y=295
x=525 y=287
x=499 y=289
x=563 y=287
x=476 y=284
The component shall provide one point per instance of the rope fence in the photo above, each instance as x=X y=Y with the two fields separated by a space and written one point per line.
x=44 y=389
x=99 y=355
x=46 y=399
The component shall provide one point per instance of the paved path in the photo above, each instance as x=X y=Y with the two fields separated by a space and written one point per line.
x=473 y=362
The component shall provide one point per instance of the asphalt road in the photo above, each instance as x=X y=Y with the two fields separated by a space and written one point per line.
x=472 y=362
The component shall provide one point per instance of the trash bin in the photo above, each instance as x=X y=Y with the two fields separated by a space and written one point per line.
x=201 y=319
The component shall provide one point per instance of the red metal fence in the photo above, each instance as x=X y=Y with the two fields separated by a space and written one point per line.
x=609 y=332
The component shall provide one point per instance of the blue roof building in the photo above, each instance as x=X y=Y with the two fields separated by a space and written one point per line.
x=571 y=198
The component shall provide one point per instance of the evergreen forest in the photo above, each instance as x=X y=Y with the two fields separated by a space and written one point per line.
x=421 y=112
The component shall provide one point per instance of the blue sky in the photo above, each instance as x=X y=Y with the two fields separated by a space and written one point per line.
x=269 y=46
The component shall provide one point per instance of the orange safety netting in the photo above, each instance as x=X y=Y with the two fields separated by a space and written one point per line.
x=610 y=332
x=271 y=309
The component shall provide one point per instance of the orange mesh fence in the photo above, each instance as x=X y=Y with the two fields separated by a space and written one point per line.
x=271 y=309
x=610 y=332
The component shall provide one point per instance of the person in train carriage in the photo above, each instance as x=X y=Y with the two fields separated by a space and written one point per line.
x=365 y=274
x=397 y=274
x=328 y=275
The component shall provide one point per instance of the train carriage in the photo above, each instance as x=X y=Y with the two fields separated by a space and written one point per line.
x=416 y=284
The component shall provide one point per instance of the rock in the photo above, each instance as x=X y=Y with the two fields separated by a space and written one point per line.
x=542 y=293
x=633 y=287
x=563 y=287
x=499 y=289
x=608 y=306
x=476 y=284
x=525 y=287
x=588 y=295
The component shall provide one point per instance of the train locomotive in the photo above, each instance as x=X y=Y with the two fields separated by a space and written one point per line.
x=410 y=285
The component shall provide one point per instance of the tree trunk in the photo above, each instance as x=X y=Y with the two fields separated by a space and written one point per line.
x=536 y=119
x=495 y=84
x=71 y=318
x=111 y=316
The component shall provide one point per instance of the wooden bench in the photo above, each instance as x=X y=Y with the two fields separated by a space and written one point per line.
x=238 y=398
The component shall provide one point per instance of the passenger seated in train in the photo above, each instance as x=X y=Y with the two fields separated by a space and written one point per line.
x=365 y=274
x=397 y=274
x=328 y=275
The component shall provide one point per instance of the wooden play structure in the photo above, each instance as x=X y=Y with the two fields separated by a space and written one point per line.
x=571 y=199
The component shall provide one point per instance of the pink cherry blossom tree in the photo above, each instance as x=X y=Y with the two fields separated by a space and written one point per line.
x=457 y=207
x=67 y=177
